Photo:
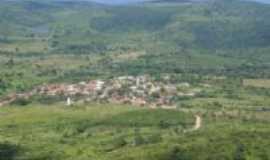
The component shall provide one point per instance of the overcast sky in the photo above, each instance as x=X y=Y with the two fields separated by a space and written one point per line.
x=264 y=1
x=134 y=1
x=117 y=1
x=127 y=1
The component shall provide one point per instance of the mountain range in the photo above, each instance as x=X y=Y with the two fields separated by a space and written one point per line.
x=136 y=1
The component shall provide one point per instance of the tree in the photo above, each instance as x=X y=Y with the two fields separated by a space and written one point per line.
x=10 y=62
x=17 y=50
x=3 y=86
x=178 y=153
x=154 y=138
x=54 y=44
x=138 y=139
x=164 y=124
x=120 y=142
x=240 y=152
x=8 y=151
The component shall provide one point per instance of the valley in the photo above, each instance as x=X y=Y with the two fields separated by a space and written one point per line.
x=148 y=81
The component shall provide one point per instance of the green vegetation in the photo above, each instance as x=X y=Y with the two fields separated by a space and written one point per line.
x=123 y=132
x=95 y=131
x=75 y=41
x=220 y=48
x=263 y=83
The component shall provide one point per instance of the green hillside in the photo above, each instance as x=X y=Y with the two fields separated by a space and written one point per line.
x=220 y=38
x=223 y=38
x=122 y=132
x=199 y=72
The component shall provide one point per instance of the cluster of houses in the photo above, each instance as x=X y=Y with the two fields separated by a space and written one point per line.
x=82 y=88
x=139 y=91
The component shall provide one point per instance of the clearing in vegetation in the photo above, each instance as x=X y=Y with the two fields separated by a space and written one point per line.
x=261 y=83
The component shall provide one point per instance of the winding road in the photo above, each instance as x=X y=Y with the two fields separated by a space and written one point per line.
x=197 y=125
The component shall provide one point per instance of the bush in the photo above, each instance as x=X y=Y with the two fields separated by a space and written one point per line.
x=48 y=100
x=87 y=133
x=240 y=153
x=177 y=153
x=164 y=124
x=139 y=140
x=120 y=142
x=8 y=151
x=154 y=138
x=70 y=132
x=21 y=102
x=116 y=143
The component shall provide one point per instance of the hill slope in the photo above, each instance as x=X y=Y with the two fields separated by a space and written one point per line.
x=222 y=38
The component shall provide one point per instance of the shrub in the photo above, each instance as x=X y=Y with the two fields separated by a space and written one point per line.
x=120 y=142
x=69 y=132
x=8 y=151
x=139 y=140
x=116 y=143
x=154 y=138
x=164 y=124
x=21 y=102
x=87 y=133
x=48 y=100
x=177 y=153
x=240 y=153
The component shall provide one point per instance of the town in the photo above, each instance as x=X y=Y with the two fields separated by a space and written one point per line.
x=137 y=91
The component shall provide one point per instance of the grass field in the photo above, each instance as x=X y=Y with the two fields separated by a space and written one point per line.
x=25 y=46
x=262 y=83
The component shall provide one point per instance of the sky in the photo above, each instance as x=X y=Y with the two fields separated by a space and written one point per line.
x=265 y=1
x=117 y=1
x=134 y=1
x=129 y=1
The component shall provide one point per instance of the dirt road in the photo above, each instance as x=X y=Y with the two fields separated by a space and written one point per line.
x=6 y=102
x=11 y=98
x=198 y=123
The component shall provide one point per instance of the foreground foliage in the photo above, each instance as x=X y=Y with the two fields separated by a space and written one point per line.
x=122 y=132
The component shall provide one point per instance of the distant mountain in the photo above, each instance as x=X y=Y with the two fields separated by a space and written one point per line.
x=262 y=1
x=138 y=1
x=134 y=1
x=180 y=1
